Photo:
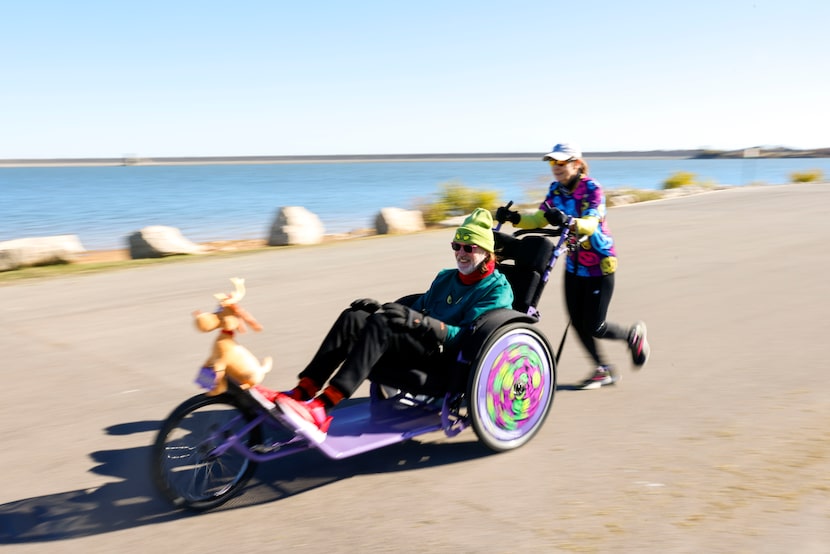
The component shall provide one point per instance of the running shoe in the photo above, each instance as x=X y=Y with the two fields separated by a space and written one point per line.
x=638 y=344
x=310 y=418
x=602 y=377
x=265 y=392
x=271 y=395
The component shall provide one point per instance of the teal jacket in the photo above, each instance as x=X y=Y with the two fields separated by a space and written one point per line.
x=458 y=305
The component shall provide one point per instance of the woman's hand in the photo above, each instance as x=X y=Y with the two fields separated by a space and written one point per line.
x=556 y=217
x=505 y=214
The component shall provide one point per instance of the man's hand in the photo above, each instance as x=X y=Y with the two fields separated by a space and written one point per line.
x=404 y=318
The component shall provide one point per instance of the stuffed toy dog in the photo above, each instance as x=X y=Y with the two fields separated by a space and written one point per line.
x=229 y=360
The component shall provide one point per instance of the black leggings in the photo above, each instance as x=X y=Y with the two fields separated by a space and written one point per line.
x=360 y=341
x=588 y=299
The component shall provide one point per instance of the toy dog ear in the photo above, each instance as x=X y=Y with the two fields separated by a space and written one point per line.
x=245 y=317
x=207 y=322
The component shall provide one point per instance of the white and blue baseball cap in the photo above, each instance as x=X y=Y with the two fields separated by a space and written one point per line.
x=563 y=152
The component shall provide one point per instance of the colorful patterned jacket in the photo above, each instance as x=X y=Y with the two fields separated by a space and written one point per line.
x=586 y=202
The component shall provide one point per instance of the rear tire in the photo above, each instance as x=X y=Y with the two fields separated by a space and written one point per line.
x=184 y=466
x=511 y=389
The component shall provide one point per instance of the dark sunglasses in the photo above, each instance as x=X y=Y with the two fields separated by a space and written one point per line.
x=468 y=248
x=559 y=162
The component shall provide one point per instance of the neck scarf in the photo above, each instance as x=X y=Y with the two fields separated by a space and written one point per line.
x=477 y=275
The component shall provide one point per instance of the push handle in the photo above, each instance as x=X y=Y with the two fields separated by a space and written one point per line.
x=568 y=222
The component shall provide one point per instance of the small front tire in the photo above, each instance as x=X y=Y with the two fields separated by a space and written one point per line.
x=186 y=467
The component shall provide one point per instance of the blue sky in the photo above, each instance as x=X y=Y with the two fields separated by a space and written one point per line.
x=186 y=78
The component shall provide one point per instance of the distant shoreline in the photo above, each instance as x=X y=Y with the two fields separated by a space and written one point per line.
x=370 y=158
x=397 y=158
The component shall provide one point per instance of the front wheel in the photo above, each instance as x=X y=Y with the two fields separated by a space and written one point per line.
x=187 y=467
x=511 y=388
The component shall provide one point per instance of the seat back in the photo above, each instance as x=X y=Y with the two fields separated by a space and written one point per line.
x=523 y=261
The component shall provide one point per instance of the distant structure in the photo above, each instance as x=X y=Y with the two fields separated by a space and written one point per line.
x=130 y=159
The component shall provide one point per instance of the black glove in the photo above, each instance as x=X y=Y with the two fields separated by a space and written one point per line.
x=405 y=318
x=366 y=304
x=556 y=217
x=504 y=214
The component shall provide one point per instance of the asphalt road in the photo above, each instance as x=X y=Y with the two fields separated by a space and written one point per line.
x=720 y=444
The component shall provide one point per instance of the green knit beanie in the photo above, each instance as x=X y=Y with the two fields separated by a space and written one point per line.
x=477 y=229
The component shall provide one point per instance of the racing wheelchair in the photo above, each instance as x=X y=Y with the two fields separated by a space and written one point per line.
x=500 y=381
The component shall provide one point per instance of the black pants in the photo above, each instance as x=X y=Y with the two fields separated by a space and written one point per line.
x=361 y=341
x=588 y=299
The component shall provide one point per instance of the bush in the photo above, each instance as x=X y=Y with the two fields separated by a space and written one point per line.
x=808 y=176
x=680 y=179
x=455 y=199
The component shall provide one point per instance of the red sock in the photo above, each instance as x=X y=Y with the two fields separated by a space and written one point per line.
x=305 y=389
x=331 y=397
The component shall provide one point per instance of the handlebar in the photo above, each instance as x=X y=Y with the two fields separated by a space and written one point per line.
x=546 y=232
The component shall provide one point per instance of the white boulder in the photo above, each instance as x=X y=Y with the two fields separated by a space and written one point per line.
x=157 y=241
x=397 y=221
x=31 y=251
x=295 y=225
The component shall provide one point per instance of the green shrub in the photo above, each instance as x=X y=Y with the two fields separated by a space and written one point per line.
x=680 y=179
x=455 y=199
x=807 y=176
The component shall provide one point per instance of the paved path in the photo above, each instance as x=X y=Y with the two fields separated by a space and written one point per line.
x=721 y=444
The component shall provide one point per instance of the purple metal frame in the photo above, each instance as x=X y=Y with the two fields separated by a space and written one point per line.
x=561 y=246
x=363 y=426
x=358 y=428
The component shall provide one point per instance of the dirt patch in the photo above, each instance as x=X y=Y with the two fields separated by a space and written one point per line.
x=100 y=256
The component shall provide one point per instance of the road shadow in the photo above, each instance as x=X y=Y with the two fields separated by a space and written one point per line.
x=132 y=501
x=565 y=386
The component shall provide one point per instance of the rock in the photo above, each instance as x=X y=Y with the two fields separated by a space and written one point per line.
x=621 y=200
x=39 y=251
x=455 y=221
x=157 y=241
x=295 y=225
x=687 y=190
x=397 y=221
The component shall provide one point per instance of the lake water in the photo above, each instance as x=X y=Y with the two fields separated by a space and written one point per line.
x=104 y=205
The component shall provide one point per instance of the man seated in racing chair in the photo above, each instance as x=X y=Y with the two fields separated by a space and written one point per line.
x=393 y=334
